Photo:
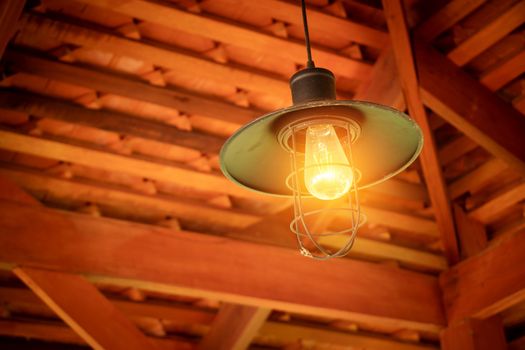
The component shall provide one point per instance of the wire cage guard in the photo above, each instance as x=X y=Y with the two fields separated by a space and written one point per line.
x=319 y=245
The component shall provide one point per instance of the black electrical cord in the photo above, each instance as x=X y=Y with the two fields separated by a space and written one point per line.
x=310 y=62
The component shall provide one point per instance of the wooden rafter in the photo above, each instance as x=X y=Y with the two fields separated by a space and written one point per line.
x=124 y=124
x=98 y=158
x=471 y=107
x=85 y=310
x=283 y=331
x=238 y=35
x=175 y=60
x=436 y=186
x=105 y=81
x=215 y=271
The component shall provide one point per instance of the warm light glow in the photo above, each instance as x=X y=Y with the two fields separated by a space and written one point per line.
x=327 y=173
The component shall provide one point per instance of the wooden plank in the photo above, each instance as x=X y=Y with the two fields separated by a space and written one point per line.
x=52 y=332
x=479 y=176
x=10 y=11
x=491 y=209
x=174 y=60
x=455 y=149
x=471 y=233
x=474 y=334
x=446 y=17
x=292 y=333
x=113 y=162
x=504 y=73
x=125 y=85
x=205 y=217
x=114 y=197
x=283 y=331
x=124 y=124
x=17 y=298
x=84 y=309
x=341 y=28
x=471 y=107
x=487 y=283
x=94 y=246
x=431 y=168
x=401 y=221
x=488 y=35
x=234 y=327
x=234 y=34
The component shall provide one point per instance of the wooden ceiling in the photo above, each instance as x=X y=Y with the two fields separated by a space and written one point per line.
x=112 y=114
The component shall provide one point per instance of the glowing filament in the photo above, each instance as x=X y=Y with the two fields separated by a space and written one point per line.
x=327 y=173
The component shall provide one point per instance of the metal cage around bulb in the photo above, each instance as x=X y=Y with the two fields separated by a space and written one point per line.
x=382 y=142
x=322 y=243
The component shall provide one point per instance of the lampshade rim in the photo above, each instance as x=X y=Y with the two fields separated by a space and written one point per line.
x=313 y=105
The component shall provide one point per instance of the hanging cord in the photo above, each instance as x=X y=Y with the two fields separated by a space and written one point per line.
x=310 y=62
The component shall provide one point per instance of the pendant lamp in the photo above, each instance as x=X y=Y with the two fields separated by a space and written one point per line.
x=321 y=150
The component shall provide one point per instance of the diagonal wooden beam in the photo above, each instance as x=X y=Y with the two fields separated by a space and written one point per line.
x=436 y=186
x=103 y=247
x=234 y=327
x=10 y=11
x=470 y=107
x=77 y=301
x=85 y=310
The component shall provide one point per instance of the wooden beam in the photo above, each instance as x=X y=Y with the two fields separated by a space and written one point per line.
x=10 y=11
x=489 y=35
x=320 y=22
x=504 y=73
x=479 y=176
x=57 y=333
x=492 y=208
x=234 y=327
x=196 y=214
x=173 y=59
x=10 y=190
x=106 y=81
x=431 y=168
x=98 y=158
x=471 y=107
x=234 y=34
x=292 y=333
x=124 y=124
x=446 y=17
x=486 y=283
x=474 y=334
x=471 y=233
x=283 y=331
x=73 y=244
x=85 y=310
x=114 y=197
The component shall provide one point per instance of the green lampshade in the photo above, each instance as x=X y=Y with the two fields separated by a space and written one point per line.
x=389 y=141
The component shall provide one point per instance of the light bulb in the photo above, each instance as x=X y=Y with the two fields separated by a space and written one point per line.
x=327 y=172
